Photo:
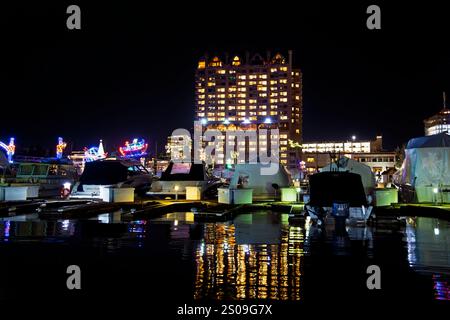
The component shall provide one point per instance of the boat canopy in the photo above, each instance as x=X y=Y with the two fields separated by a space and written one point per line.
x=345 y=164
x=185 y=171
x=441 y=140
x=331 y=187
x=108 y=172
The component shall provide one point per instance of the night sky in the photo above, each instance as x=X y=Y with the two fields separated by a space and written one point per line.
x=130 y=70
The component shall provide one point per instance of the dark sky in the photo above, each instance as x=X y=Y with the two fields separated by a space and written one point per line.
x=129 y=71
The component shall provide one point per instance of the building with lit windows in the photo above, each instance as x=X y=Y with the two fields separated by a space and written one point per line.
x=178 y=145
x=316 y=155
x=438 y=123
x=251 y=93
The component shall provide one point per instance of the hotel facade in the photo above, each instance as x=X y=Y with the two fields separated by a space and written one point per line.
x=251 y=93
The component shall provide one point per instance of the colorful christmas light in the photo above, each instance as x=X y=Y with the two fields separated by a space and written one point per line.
x=137 y=148
x=10 y=149
x=95 y=153
x=60 y=148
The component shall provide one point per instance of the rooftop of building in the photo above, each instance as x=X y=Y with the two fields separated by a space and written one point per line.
x=245 y=60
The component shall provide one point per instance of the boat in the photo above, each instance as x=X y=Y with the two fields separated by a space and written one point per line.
x=338 y=194
x=178 y=176
x=118 y=173
x=45 y=178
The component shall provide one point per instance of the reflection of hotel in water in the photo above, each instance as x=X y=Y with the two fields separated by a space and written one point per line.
x=228 y=270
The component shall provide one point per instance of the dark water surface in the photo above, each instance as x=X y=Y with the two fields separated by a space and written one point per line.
x=257 y=258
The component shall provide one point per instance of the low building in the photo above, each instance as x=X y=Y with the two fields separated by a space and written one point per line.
x=318 y=154
x=178 y=145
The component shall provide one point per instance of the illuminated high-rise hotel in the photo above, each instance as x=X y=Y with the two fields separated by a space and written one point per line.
x=440 y=122
x=250 y=93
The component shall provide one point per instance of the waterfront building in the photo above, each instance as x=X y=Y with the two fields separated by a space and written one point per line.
x=438 y=123
x=251 y=93
x=370 y=152
x=177 y=145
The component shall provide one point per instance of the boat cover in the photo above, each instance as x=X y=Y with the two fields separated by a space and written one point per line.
x=331 y=187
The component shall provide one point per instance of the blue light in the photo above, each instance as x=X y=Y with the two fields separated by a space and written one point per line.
x=268 y=121
x=246 y=121
x=226 y=121
x=204 y=121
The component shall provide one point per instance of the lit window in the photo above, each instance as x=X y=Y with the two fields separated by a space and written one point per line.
x=215 y=62
x=201 y=64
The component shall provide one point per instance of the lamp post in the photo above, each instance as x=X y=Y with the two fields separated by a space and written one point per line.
x=176 y=191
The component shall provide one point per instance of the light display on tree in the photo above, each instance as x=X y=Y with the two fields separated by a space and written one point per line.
x=60 y=148
x=137 y=148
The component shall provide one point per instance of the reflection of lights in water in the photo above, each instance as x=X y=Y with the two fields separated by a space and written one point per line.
x=7 y=228
x=248 y=271
x=411 y=243
x=441 y=288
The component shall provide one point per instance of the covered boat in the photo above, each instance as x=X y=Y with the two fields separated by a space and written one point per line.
x=345 y=164
x=425 y=174
x=249 y=176
x=118 y=173
x=178 y=176
x=339 y=194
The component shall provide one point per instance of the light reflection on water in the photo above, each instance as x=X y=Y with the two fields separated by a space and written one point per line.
x=256 y=256
x=428 y=245
x=226 y=269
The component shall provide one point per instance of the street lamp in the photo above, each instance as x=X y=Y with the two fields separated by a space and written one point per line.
x=176 y=188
